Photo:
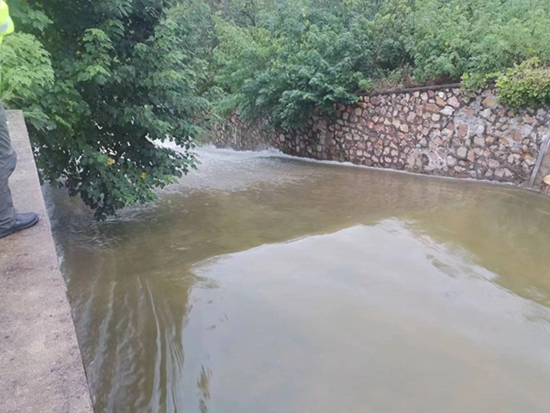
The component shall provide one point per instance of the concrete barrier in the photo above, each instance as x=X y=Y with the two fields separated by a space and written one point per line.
x=41 y=368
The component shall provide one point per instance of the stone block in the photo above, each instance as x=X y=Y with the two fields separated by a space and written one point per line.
x=526 y=130
x=517 y=135
x=462 y=131
x=453 y=101
x=462 y=152
x=528 y=119
x=486 y=113
x=451 y=161
x=431 y=107
x=480 y=130
x=493 y=163
x=479 y=141
x=447 y=110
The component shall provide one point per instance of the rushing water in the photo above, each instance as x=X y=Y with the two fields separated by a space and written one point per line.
x=263 y=284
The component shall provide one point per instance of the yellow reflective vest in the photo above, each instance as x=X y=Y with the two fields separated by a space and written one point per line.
x=6 y=24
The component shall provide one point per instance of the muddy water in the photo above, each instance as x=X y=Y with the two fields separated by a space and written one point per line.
x=264 y=284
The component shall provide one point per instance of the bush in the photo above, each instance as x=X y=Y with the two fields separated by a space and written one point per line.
x=477 y=37
x=297 y=58
x=527 y=84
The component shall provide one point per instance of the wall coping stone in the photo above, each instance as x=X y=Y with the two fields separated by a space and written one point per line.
x=412 y=90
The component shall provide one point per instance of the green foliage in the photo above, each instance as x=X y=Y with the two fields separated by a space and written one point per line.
x=525 y=84
x=32 y=19
x=127 y=77
x=300 y=57
x=241 y=12
x=26 y=70
x=478 y=37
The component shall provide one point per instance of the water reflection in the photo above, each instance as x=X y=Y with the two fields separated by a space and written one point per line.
x=265 y=284
x=364 y=313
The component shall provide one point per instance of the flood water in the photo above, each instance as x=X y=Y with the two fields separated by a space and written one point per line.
x=263 y=284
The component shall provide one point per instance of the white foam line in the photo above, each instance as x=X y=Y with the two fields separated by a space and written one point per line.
x=276 y=153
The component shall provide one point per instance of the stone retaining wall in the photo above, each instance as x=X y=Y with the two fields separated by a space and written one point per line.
x=443 y=132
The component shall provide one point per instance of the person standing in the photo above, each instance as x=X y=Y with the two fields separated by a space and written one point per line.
x=10 y=221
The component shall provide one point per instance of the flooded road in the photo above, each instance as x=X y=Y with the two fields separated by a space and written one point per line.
x=263 y=284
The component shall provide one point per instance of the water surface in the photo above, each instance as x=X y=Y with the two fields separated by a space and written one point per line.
x=263 y=284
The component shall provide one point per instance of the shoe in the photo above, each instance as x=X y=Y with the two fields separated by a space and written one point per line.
x=21 y=222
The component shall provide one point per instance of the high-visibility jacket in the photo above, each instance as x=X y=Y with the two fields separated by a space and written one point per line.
x=6 y=24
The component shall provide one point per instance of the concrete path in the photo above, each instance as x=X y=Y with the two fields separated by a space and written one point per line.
x=41 y=368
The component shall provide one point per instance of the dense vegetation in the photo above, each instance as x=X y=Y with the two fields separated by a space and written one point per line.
x=302 y=54
x=127 y=75
x=131 y=73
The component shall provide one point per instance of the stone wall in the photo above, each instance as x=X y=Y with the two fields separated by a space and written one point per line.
x=443 y=132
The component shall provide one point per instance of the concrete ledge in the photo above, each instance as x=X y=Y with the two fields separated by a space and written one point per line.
x=41 y=367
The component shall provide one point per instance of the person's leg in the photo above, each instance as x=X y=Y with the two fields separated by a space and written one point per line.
x=7 y=211
x=8 y=160
x=10 y=222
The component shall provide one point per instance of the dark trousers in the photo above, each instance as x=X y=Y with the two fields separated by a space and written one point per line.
x=8 y=159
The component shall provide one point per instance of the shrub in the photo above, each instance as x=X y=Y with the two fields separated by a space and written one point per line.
x=299 y=57
x=525 y=84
